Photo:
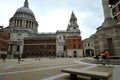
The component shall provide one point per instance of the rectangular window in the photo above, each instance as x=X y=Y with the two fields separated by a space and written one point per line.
x=74 y=40
x=110 y=46
x=64 y=47
x=79 y=46
x=79 y=40
x=113 y=11
x=119 y=6
x=74 y=46
x=68 y=40
x=18 y=48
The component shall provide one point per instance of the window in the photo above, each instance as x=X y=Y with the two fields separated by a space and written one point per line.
x=79 y=40
x=69 y=46
x=74 y=40
x=88 y=44
x=64 y=47
x=113 y=11
x=79 y=46
x=60 y=38
x=64 y=37
x=74 y=27
x=119 y=6
x=69 y=40
x=74 y=46
x=18 y=48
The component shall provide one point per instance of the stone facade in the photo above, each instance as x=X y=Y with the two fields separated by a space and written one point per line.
x=72 y=30
x=23 y=23
x=88 y=47
x=108 y=34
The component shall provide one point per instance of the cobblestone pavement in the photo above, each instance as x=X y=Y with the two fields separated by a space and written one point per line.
x=43 y=69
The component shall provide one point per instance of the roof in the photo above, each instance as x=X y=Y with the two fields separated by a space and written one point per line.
x=42 y=35
x=25 y=10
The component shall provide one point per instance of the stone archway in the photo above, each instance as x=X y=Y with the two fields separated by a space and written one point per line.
x=75 y=54
x=89 y=52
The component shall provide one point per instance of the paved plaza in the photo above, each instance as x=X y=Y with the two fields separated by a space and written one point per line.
x=45 y=68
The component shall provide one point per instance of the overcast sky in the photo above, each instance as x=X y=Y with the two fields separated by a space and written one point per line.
x=53 y=15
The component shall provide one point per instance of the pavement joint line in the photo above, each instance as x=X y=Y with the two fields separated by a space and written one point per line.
x=41 y=65
x=17 y=65
x=64 y=74
x=36 y=69
x=55 y=76
x=8 y=67
x=22 y=63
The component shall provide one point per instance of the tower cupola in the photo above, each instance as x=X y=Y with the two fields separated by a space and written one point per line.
x=72 y=25
x=26 y=4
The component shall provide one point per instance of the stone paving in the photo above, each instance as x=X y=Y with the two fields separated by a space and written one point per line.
x=44 y=69
x=116 y=72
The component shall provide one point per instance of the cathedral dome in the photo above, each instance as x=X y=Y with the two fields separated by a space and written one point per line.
x=24 y=19
x=25 y=10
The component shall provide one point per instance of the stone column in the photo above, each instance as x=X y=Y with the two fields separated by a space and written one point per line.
x=32 y=25
x=109 y=21
x=28 y=24
x=106 y=9
x=18 y=22
x=15 y=23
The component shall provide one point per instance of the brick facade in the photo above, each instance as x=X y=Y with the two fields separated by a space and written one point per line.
x=39 y=46
x=74 y=46
x=3 y=42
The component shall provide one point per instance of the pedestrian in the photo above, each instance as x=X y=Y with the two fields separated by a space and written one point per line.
x=4 y=57
x=19 y=59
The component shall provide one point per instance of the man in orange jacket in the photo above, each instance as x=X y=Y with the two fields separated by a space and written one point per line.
x=105 y=55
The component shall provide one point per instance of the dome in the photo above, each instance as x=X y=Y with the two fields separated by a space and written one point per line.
x=25 y=10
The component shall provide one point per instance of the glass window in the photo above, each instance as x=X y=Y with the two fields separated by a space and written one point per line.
x=18 y=48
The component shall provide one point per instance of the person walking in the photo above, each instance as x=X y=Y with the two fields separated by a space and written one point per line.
x=19 y=59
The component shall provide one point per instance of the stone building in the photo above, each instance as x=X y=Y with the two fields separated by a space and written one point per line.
x=88 y=47
x=115 y=9
x=21 y=25
x=107 y=35
x=23 y=30
x=72 y=30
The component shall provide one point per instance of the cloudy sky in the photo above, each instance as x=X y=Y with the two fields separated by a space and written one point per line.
x=53 y=15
